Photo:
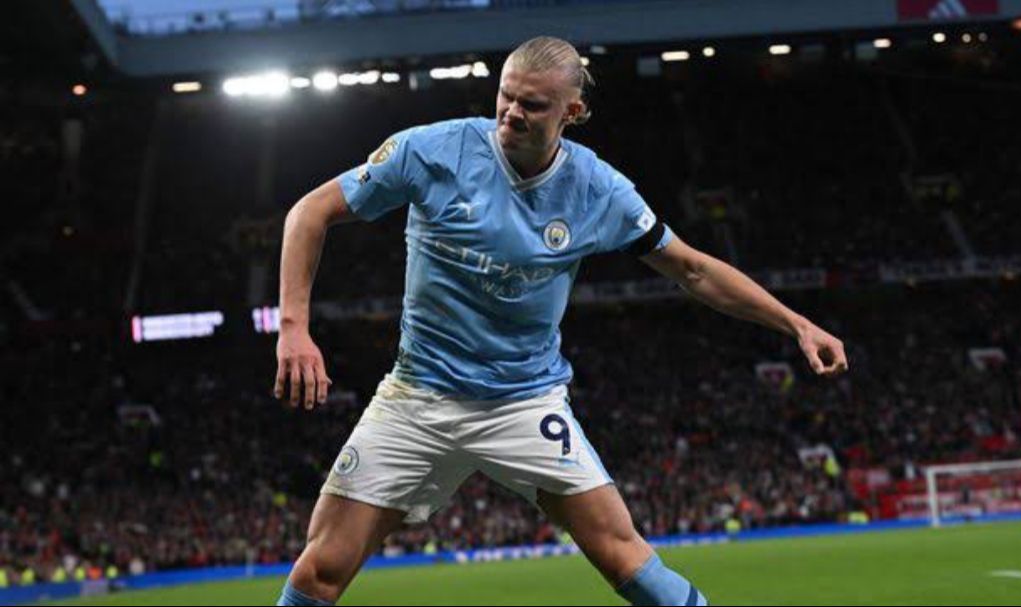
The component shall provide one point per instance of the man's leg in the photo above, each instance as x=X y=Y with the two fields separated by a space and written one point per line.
x=343 y=533
x=601 y=525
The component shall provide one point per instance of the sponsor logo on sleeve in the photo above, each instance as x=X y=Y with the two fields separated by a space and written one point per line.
x=363 y=175
x=384 y=152
x=647 y=220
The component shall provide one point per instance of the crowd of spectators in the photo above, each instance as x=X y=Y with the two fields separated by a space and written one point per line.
x=169 y=455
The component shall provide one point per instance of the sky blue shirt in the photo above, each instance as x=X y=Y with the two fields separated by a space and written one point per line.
x=491 y=256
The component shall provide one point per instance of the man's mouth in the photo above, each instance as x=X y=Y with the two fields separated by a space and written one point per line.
x=516 y=128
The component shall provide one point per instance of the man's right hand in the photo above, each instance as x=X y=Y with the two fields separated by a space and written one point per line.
x=300 y=362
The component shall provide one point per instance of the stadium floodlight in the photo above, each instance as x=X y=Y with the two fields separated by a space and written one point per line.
x=456 y=72
x=709 y=51
x=1016 y=24
x=776 y=49
x=256 y=86
x=391 y=77
x=276 y=84
x=597 y=49
x=983 y=37
x=585 y=61
x=882 y=43
x=269 y=84
x=369 y=77
x=480 y=69
x=966 y=38
x=939 y=37
x=235 y=87
x=187 y=87
x=348 y=79
x=300 y=82
x=79 y=90
x=675 y=56
x=325 y=80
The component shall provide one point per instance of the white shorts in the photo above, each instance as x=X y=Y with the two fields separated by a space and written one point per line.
x=412 y=449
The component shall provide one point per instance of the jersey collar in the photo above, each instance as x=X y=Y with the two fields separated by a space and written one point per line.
x=512 y=175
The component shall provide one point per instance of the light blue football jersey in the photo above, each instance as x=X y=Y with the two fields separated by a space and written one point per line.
x=491 y=256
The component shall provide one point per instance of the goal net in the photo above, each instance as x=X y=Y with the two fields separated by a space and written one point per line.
x=965 y=491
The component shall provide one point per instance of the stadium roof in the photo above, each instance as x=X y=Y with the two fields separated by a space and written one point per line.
x=173 y=17
x=231 y=35
x=39 y=38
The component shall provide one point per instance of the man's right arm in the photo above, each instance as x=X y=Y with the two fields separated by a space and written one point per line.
x=299 y=360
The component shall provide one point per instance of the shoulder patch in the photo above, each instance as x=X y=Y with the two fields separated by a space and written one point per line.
x=382 y=154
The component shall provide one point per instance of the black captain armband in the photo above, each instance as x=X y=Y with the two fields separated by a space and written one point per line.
x=646 y=243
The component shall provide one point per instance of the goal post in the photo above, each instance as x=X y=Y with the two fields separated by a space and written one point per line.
x=995 y=484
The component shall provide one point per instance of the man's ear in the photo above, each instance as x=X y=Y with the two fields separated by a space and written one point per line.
x=574 y=109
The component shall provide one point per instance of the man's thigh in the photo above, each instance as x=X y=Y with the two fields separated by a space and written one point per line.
x=535 y=445
x=397 y=458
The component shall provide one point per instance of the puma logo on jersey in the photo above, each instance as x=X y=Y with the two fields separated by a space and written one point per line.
x=467 y=207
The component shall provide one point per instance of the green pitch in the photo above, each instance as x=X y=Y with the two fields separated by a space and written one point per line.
x=951 y=566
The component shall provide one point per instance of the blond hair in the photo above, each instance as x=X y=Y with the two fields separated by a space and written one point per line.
x=547 y=53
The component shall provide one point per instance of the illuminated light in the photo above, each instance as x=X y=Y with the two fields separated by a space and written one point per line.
x=456 y=72
x=391 y=77
x=585 y=61
x=1016 y=24
x=235 y=87
x=882 y=43
x=983 y=37
x=325 y=80
x=266 y=319
x=597 y=49
x=966 y=38
x=269 y=84
x=255 y=86
x=276 y=84
x=187 y=87
x=709 y=51
x=79 y=90
x=776 y=49
x=939 y=37
x=480 y=70
x=175 y=326
x=369 y=77
x=300 y=82
x=675 y=56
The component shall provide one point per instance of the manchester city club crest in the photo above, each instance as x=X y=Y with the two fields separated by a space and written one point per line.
x=347 y=461
x=557 y=235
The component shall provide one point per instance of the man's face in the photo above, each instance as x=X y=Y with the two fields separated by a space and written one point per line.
x=531 y=108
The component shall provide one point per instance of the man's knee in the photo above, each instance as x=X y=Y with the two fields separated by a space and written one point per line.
x=342 y=534
x=323 y=573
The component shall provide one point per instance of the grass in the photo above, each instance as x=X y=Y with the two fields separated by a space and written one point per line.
x=949 y=566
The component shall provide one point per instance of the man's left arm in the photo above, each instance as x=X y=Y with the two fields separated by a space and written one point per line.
x=728 y=290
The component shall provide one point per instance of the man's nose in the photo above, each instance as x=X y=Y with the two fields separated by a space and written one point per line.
x=514 y=111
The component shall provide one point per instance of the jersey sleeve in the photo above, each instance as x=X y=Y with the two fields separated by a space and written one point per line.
x=387 y=179
x=627 y=217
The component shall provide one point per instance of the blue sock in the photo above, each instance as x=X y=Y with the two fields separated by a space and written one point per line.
x=292 y=596
x=654 y=584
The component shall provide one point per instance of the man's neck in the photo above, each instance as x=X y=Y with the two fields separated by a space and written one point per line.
x=530 y=164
